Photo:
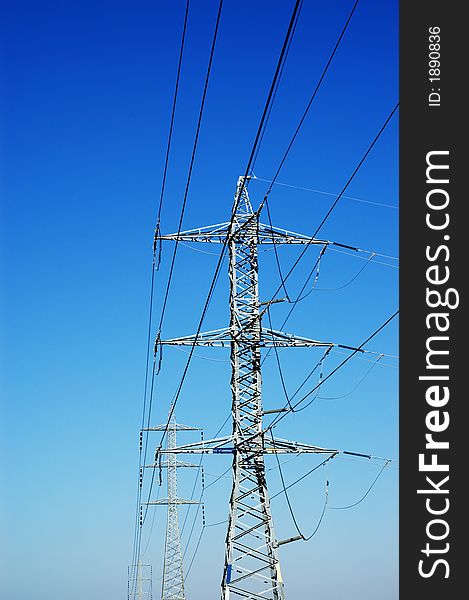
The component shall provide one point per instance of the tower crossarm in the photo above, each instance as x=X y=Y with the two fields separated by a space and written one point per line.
x=212 y=233
x=276 y=235
x=217 y=234
x=164 y=465
x=222 y=445
x=175 y=426
x=268 y=338
x=217 y=337
x=280 y=446
x=271 y=337
x=226 y=445
x=169 y=502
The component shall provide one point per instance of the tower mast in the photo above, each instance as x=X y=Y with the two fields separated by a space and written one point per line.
x=173 y=580
x=252 y=567
x=172 y=587
x=139 y=582
x=251 y=556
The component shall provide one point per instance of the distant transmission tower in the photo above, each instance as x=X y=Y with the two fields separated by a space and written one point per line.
x=252 y=567
x=172 y=587
x=140 y=578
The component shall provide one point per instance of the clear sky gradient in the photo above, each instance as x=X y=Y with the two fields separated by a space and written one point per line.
x=85 y=112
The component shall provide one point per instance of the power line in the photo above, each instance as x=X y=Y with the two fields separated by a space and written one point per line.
x=321 y=517
x=279 y=366
x=147 y=363
x=329 y=212
x=321 y=464
x=215 y=277
x=315 y=530
x=365 y=156
x=253 y=152
x=279 y=268
x=378 y=330
x=382 y=364
x=357 y=252
x=311 y=100
x=195 y=551
x=199 y=121
x=315 y=266
x=305 y=475
x=375 y=262
x=189 y=176
x=218 y=523
x=154 y=265
x=173 y=112
x=318 y=387
x=151 y=527
x=236 y=202
x=199 y=467
x=340 y=287
x=293 y=303
x=306 y=189
x=278 y=82
x=287 y=498
x=139 y=523
x=357 y=385
x=259 y=135
x=191 y=164
x=319 y=364
x=297 y=130
x=366 y=493
x=314 y=269
x=295 y=264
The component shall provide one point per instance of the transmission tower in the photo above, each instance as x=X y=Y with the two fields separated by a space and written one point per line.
x=172 y=587
x=140 y=579
x=252 y=566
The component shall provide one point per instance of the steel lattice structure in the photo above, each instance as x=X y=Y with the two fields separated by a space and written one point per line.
x=139 y=582
x=172 y=587
x=252 y=566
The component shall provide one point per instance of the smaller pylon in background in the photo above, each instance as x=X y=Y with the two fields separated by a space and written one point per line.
x=173 y=576
x=139 y=582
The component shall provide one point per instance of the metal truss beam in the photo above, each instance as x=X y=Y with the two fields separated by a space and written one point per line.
x=218 y=233
x=268 y=338
x=226 y=445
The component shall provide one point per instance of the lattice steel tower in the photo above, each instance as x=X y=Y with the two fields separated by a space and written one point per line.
x=139 y=582
x=172 y=587
x=252 y=567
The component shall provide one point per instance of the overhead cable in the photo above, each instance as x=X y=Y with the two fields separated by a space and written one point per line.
x=358 y=349
x=201 y=110
x=235 y=205
x=366 y=493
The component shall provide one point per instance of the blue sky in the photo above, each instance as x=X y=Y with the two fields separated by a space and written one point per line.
x=86 y=104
